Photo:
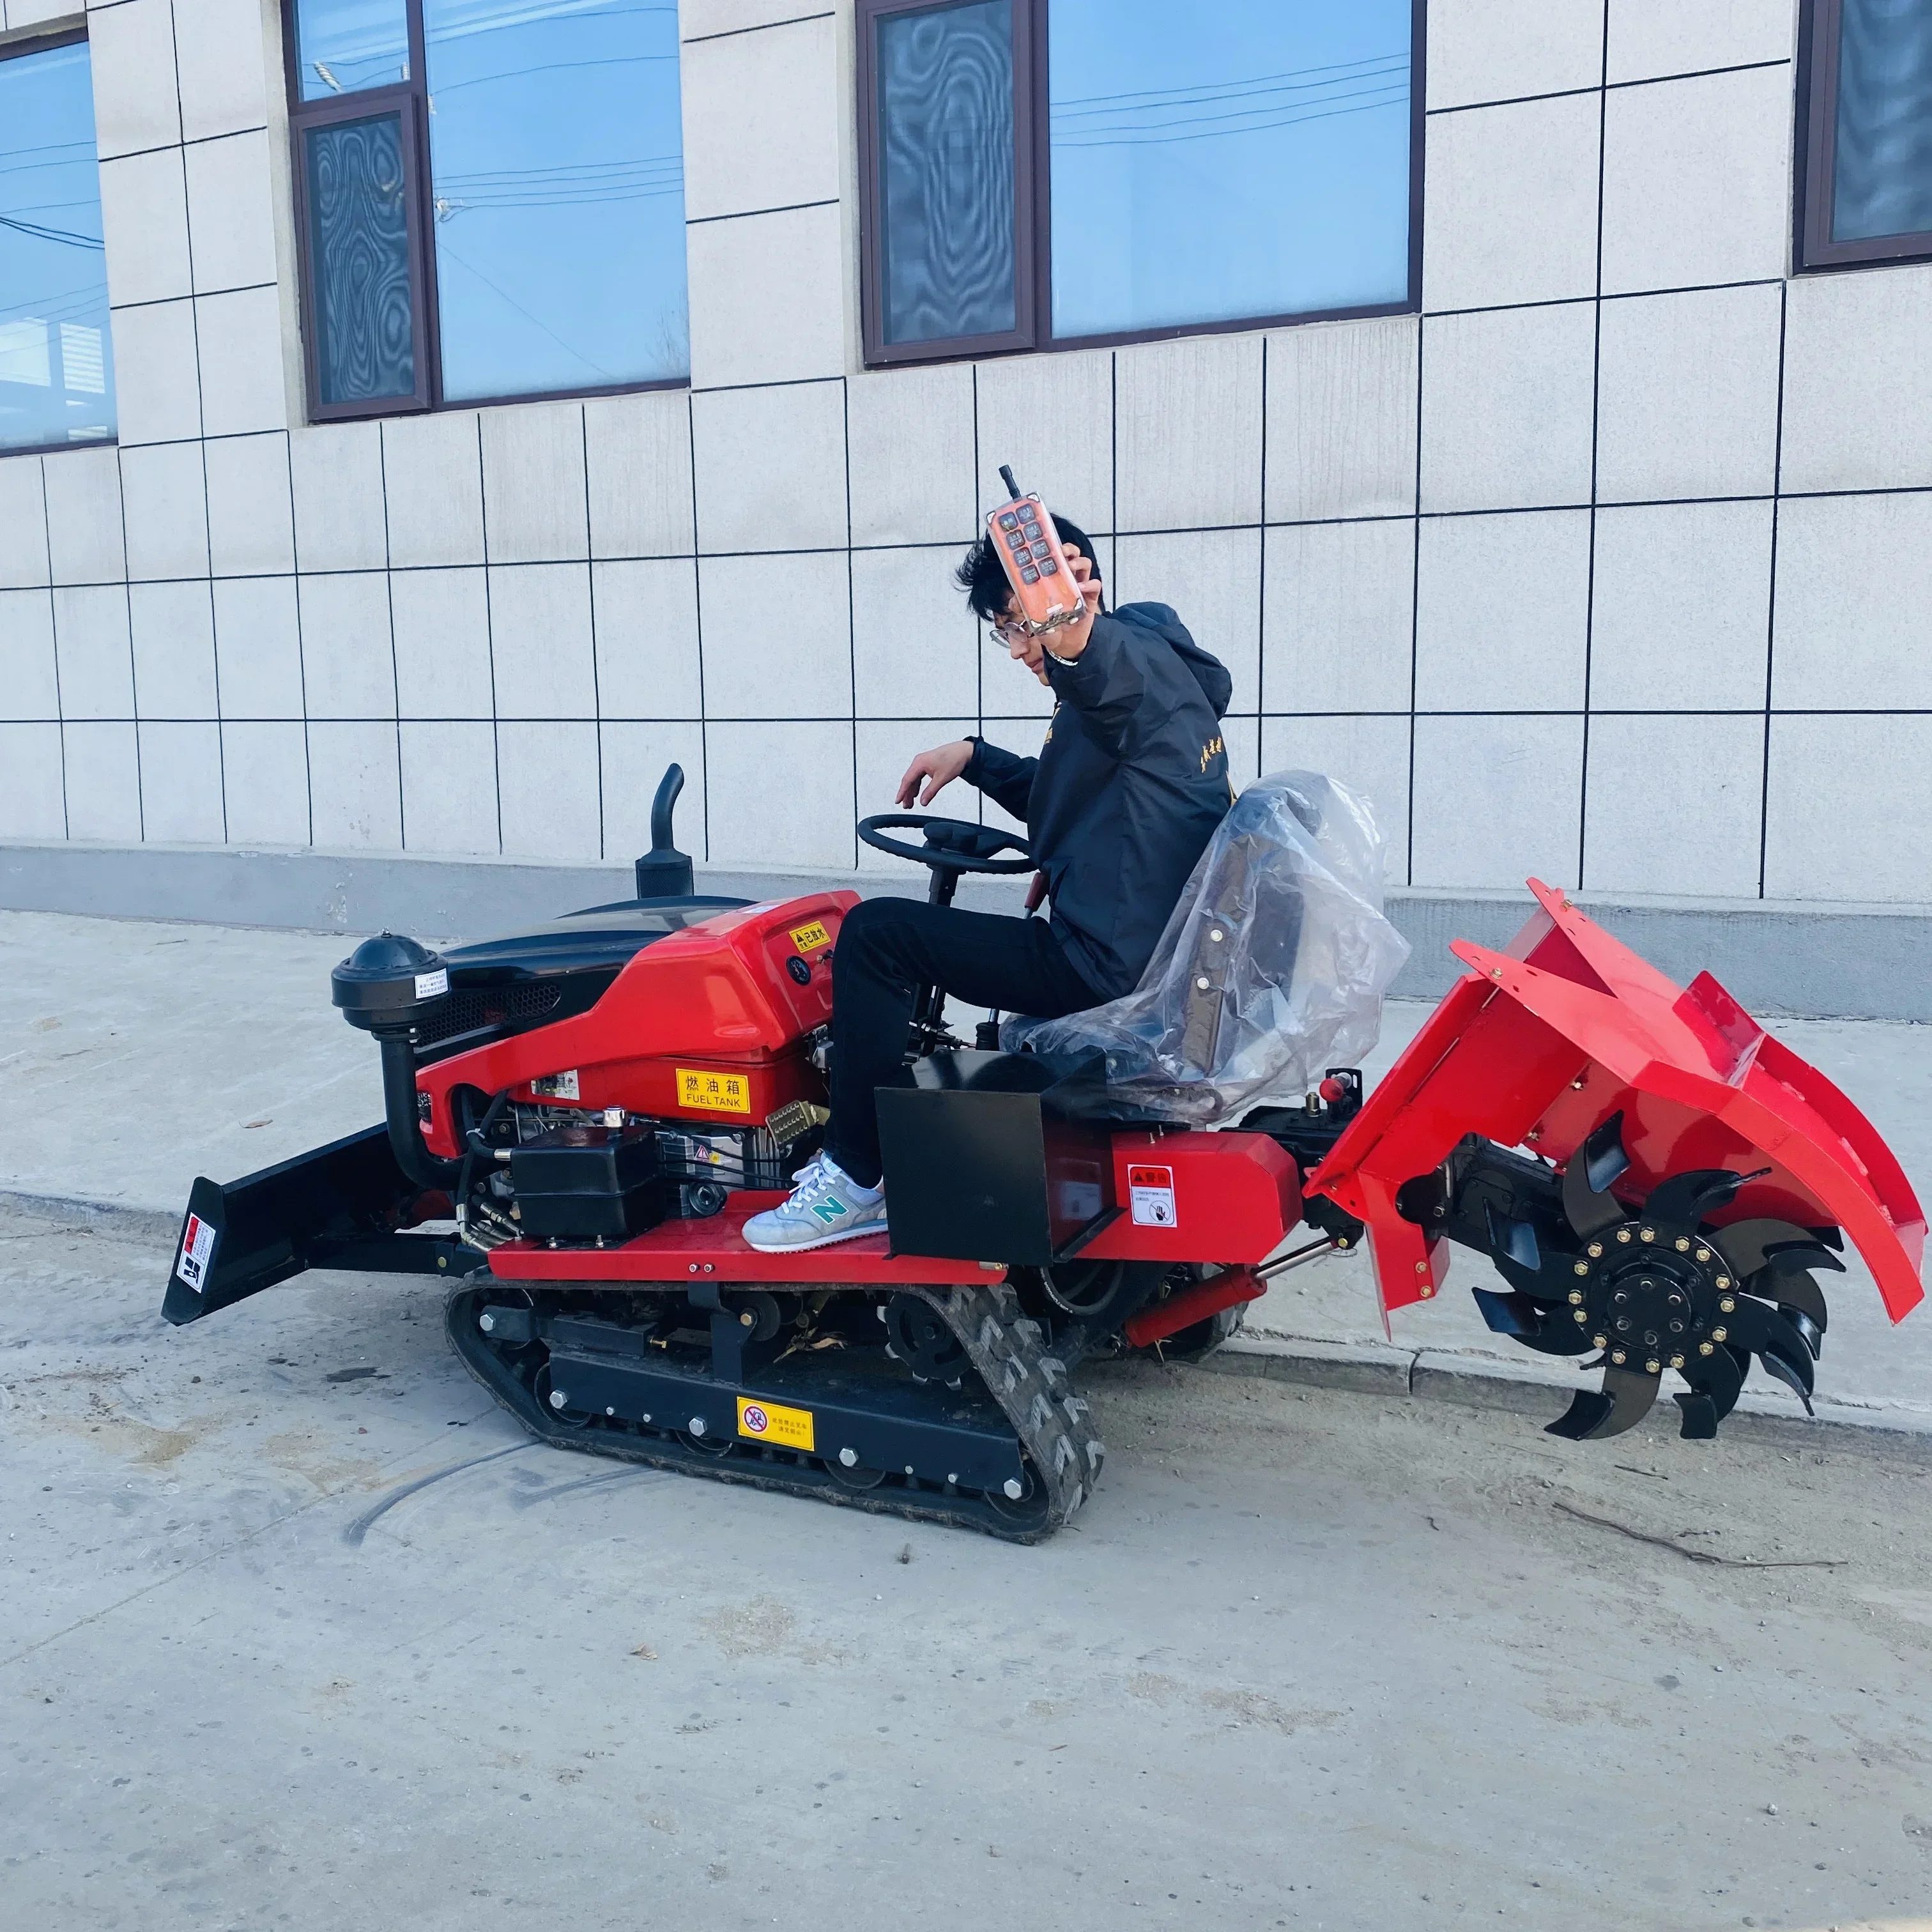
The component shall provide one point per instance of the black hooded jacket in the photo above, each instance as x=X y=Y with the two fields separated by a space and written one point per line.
x=1127 y=789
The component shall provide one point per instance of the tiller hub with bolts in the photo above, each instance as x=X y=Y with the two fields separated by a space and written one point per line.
x=580 y=1117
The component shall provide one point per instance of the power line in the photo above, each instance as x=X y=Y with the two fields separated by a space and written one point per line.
x=1223 y=134
x=38 y=233
x=1292 y=74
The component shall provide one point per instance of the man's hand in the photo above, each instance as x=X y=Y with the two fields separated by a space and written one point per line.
x=1070 y=640
x=935 y=770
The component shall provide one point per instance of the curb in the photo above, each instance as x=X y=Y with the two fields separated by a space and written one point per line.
x=1423 y=1375
x=1435 y=1375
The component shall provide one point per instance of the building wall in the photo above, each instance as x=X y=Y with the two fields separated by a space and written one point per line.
x=1607 y=567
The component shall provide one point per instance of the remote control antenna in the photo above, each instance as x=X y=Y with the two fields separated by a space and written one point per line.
x=1007 y=477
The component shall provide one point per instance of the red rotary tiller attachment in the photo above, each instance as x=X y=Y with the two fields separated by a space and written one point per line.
x=1653 y=1176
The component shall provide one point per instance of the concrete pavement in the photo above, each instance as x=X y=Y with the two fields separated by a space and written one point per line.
x=301 y=1632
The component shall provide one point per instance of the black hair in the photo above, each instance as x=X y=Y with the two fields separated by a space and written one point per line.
x=983 y=577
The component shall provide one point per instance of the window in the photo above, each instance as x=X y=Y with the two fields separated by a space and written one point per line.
x=56 y=357
x=1039 y=172
x=490 y=199
x=1867 y=160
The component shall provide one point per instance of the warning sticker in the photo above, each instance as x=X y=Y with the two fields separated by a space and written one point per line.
x=1150 y=1195
x=772 y=1422
x=809 y=938
x=722 y=1092
x=556 y=1086
x=433 y=985
x=197 y=1249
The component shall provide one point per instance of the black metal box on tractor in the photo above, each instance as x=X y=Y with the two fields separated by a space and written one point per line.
x=998 y=1157
x=588 y=1183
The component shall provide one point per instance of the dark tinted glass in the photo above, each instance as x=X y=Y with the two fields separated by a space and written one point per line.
x=343 y=46
x=556 y=152
x=1225 y=160
x=945 y=90
x=1881 y=173
x=56 y=362
x=359 y=256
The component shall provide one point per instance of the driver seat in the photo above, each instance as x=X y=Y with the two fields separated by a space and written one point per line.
x=1272 y=968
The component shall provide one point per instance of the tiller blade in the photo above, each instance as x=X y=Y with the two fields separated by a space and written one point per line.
x=1651 y=1174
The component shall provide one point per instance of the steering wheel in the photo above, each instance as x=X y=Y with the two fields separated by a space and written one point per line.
x=952 y=845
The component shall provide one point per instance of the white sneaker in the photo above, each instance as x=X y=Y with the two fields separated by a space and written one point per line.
x=827 y=1205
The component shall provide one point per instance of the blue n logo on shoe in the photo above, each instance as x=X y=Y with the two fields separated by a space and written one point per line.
x=828 y=1210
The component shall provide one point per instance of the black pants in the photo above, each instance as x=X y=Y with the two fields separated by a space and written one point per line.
x=889 y=948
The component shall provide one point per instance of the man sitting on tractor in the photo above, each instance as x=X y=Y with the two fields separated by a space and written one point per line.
x=1127 y=789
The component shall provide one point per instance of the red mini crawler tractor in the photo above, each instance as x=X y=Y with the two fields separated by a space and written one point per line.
x=580 y=1117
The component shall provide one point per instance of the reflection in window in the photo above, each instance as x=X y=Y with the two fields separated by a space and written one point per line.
x=558 y=191
x=56 y=362
x=344 y=46
x=1214 y=163
x=1882 y=145
x=945 y=96
x=359 y=248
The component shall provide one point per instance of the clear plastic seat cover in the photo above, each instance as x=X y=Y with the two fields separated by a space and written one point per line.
x=1272 y=968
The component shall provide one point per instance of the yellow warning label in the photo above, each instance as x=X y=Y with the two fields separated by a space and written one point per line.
x=723 y=1093
x=810 y=938
x=772 y=1422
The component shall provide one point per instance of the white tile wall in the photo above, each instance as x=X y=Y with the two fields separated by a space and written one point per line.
x=1854 y=587
x=181 y=783
x=144 y=222
x=29 y=680
x=916 y=647
x=231 y=223
x=1512 y=214
x=546 y=778
x=1673 y=805
x=449 y=785
x=507 y=620
x=793 y=73
x=97 y=665
x=346 y=672
x=1648 y=38
x=1680 y=607
x=1506 y=400
x=172 y=626
x=645 y=616
x=1858 y=383
x=1502 y=608
x=32 y=804
x=1498 y=800
x=251 y=524
x=540 y=640
x=23 y=523
x=1341 y=424
x=535 y=507
x=912 y=475
x=441 y=620
x=1696 y=187
x=354 y=789
x=1503 y=50
x=165 y=502
x=103 y=782
x=1339 y=631
x=1687 y=395
x=770 y=467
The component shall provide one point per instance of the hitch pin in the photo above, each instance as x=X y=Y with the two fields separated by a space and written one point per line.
x=1296 y=1257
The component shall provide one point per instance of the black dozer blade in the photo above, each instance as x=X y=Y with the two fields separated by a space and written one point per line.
x=1624 y=1402
x=1588 y=1203
x=1715 y=1384
x=1678 y=1205
x=1525 y=1320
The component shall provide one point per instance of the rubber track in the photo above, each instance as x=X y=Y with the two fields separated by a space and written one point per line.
x=1007 y=1349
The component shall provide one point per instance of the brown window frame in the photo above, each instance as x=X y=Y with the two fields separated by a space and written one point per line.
x=1033 y=223
x=411 y=96
x=1819 y=39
